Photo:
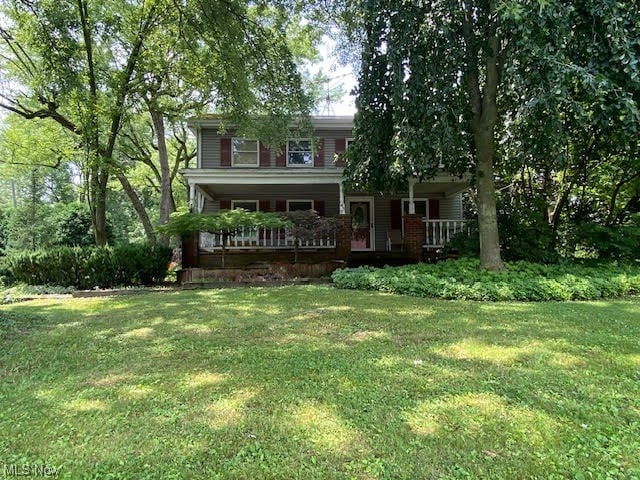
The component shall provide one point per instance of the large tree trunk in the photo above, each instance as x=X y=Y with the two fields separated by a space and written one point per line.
x=487 y=217
x=483 y=103
x=138 y=207
x=166 y=195
x=98 y=203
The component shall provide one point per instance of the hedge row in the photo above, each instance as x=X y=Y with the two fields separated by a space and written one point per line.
x=463 y=279
x=90 y=267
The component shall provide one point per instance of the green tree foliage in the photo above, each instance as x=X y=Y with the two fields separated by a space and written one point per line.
x=428 y=95
x=71 y=225
x=90 y=65
x=307 y=226
x=571 y=149
x=546 y=91
x=226 y=223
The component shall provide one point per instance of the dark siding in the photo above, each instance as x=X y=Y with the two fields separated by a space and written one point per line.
x=210 y=144
x=265 y=156
x=225 y=152
x=325 y=196
x=332 y=141
x=434 y=209
x=281 y=160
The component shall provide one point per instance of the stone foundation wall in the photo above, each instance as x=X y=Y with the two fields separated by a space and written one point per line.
x=259 y=272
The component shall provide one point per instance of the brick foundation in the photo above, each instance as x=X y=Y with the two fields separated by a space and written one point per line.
x=343 y=237
x=190 y=251
x=414 y=236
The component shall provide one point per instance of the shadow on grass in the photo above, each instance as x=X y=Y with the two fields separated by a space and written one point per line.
x=311 y=382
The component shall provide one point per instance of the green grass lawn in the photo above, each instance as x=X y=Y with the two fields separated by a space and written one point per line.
x=314 y=382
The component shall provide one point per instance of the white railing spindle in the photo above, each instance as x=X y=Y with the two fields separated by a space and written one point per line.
x=439 y=232
x=260 y=239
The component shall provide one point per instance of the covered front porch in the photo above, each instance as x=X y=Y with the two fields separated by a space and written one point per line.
x=373 y=222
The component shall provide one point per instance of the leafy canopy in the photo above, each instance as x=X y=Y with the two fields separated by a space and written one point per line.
x=226 y=222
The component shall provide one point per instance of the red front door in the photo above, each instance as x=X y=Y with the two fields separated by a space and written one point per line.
x=361 y=224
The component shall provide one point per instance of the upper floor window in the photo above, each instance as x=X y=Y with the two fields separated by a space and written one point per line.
x=300 y=153
x=348 y=142
x=244 y=152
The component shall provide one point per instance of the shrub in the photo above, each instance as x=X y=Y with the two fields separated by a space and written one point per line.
x=523 y=281
x=6 y=277
x=521 y=239
x=89 y=267
x=621 y=242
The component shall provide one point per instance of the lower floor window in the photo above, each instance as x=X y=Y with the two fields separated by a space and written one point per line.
x=297 y=205
x=421 y=207
x=249 y=205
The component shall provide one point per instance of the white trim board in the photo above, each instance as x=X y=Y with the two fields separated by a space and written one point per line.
x=263 y=176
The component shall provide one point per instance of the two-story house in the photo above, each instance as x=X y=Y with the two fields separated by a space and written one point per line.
x=306 y=173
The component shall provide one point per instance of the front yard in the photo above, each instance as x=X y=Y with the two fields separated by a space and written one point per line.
x=314 y=382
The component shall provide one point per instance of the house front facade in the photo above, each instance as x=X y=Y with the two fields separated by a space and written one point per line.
x=307 y=173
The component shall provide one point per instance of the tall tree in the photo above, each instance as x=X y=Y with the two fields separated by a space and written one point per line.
x=575 y=129
x=443 y=82
x=428 y=95
x=74 y=62
x=84 y=63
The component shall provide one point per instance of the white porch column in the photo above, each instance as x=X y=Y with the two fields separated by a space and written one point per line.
x=412 y=205
x=200 y=201
x=192 y=196
x=343 y=208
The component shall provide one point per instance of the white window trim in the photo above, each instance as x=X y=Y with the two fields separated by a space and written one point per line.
x=416 y=199
x=233 y=202
x=244 y=165
x=313 y=203
x=313 y=153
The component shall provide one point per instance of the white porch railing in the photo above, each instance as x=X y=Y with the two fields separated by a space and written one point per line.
x=439 y=232
x=261 y=239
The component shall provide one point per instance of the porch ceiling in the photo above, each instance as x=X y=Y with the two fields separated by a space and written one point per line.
x=214 y=191
x=444 y=189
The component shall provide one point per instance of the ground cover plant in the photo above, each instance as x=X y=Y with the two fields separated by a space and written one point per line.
x=522 y=281
x=315 y=382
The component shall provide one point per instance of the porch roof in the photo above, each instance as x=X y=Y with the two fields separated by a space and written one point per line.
x=263 y=176
x=443 y=183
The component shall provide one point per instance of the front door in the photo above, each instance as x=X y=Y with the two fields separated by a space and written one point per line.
x=362 y=228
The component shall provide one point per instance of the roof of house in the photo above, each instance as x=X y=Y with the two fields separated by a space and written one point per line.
x=318 y=121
